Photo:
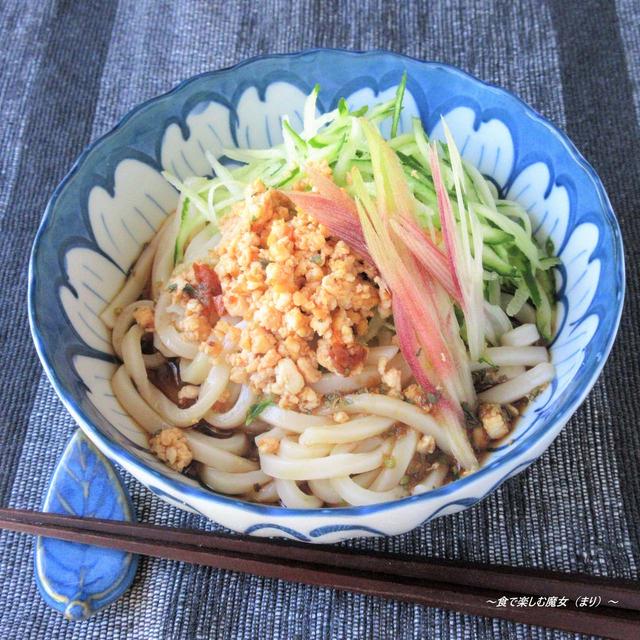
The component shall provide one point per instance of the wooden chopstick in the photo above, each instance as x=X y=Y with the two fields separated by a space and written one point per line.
x=465 y=587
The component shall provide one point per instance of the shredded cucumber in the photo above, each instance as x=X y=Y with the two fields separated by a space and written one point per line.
x=512 y=260
x=189 y=221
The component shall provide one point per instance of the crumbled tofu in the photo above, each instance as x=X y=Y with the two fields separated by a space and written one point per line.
x=340 y=417
x=480 y=438
x=512 y=410
x=194 y=325
x=391 y=377
x=493 y=420
x=303 y=298
x=426 y=445
x=303 y=295
x=188 y=392
x=268 y=445
x=288 y=377
x=171 y=446
x=145 y=318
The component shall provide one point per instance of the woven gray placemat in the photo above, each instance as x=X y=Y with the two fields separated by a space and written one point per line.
x=71 y=70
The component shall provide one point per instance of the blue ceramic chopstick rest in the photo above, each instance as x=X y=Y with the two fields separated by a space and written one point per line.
x=78 y=579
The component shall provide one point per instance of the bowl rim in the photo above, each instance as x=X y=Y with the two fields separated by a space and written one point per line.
x=117 y=452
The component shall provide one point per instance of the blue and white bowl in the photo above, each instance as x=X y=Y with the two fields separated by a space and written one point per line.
x=114 y=199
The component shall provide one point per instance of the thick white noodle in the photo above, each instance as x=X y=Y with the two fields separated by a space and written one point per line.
x=519 y=387
x=526 y=315
x=510 y=372
x=522 y=336
x=324 y=491
x=233 y=483
x=163 y=261
x=291 y=449
x=134 y=404
x=366 y=479
x=136 y=280
x=237 y=414
x=204 y=450
x=200 y=245
x=200 y=233
x=497 y=319
x=238 y=443
x=210 y=390
x=162 y=348
x=513 y=357
x=293 y=497
x=334 y=383
x=195 y=371
x=168 y=334
x=233 y=393
x=292 y=420
x=375 y=353
x=402 y=453
x=401 y=411
x=349 y=447
x=272 y=434
x=353 y=493
x=267 y=493
x=352 y=431
x=123 y=321
x=432 y=480
x=320 y=468
x=369 y=444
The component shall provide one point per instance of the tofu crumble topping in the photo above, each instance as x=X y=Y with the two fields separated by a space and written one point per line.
x=282 y=299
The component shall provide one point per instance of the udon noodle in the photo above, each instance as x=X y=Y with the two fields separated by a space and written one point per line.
x=298 y=434
x=342 y=320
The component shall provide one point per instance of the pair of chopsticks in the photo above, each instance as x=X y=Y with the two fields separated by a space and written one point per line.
x=465 y=587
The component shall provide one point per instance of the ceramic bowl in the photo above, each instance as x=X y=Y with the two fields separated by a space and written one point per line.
x=114 y=199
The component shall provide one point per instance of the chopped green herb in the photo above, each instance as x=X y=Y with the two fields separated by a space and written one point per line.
x=332 y=399
x=190 y=290
x=172 y=287
x=433 y=398
x=488 y=361
x=389 y=462
x=256 y=409
x=316 y=258
x=404 y=481
x=469 y=416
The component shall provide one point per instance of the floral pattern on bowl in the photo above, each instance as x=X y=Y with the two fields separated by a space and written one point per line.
x=114 y=199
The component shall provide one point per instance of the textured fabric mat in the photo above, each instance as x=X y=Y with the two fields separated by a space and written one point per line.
x=71 y=70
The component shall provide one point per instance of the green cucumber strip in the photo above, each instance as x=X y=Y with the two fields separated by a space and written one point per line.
x=397 y=107
x=532 y=285
x=523 y=241
x=493 y=262
x=422 y=142
x=399 y=141
x=189 y=220
x=294 y=134
x=492 y=235
x=493 y=291
x=514 y=210
x=480 y=185
x=544 y=314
